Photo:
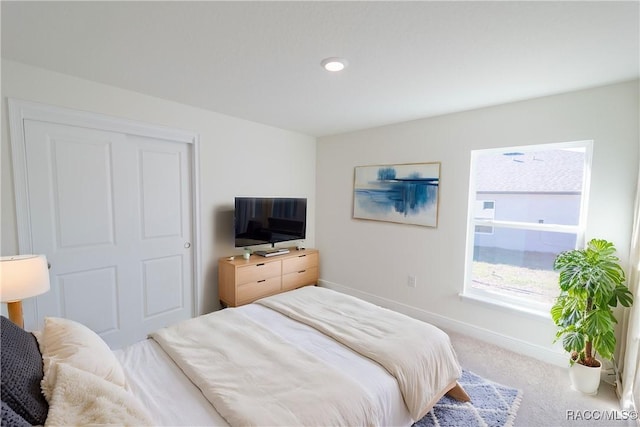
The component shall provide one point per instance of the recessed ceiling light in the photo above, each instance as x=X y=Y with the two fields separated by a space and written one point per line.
x=333 y=64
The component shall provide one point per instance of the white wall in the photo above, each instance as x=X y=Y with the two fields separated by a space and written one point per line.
x=373 y=259
x=237 y=157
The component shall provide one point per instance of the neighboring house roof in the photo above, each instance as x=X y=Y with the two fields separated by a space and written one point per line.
x=552 y=171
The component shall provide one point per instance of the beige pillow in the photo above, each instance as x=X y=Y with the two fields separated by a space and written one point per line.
x=67 y=341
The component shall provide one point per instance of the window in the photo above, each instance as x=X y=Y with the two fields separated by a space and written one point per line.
x=485 y=209
x=526 y=205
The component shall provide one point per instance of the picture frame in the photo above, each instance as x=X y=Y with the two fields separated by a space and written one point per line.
x=405 y=193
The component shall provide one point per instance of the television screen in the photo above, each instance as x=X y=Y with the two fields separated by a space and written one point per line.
x=262 y=220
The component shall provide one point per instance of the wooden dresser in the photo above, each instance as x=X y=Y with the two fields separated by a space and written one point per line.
x=242 y=281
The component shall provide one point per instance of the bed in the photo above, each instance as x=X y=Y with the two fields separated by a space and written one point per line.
x=311 y=356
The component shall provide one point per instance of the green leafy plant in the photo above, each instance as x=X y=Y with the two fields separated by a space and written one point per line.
x=592 y=283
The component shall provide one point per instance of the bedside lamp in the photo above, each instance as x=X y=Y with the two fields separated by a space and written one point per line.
x=22 y=276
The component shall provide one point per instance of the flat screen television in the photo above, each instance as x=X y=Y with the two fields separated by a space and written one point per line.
x=269 y=220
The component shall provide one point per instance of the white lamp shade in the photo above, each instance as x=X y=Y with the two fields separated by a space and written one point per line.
x=23 y=276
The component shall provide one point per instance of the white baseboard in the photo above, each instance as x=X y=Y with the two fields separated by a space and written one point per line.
x=447 y=323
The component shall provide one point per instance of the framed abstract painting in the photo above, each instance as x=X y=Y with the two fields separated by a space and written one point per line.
x=403 y=193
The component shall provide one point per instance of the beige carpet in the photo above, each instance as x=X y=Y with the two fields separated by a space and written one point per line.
x=548 y=399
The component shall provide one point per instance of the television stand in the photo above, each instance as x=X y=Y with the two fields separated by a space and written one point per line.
x=272 y=252
x=241 y=281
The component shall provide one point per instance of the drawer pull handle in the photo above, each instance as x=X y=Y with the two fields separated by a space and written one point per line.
x=300 y=256
x=259 y=265
x=302 y=271
x=263 y=280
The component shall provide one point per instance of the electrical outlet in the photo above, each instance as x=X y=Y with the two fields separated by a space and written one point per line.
x=411 y=281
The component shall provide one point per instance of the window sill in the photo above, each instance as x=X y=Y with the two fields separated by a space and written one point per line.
x=506 y=306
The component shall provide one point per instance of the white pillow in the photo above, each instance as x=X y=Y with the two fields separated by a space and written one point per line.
x=67 y=341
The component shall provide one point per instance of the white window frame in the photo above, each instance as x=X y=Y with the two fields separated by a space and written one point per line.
x=513 y=303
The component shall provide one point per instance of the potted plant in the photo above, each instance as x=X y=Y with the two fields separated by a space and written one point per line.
x=592 y=283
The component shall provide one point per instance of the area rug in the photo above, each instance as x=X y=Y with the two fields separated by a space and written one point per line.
x=492 y=405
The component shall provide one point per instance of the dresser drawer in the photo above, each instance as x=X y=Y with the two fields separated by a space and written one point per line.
x=260 y=271
x=299 y=263
x=252 y=291
x=300 y=278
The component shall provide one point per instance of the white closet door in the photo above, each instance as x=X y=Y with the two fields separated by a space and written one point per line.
x=112 y=213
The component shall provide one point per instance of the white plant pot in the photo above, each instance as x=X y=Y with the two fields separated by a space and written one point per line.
x=585 y=379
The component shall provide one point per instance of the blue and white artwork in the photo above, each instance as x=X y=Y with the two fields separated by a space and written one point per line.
x=406 y=193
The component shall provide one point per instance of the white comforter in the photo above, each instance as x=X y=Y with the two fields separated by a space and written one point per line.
x=417 y=354
x=254 y=377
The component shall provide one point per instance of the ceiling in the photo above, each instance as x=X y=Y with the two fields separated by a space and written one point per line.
x=261 y=60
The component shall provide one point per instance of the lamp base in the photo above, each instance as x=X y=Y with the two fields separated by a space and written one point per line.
x=15 y=313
